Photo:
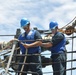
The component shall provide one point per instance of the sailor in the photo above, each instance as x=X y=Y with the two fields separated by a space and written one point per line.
x=57 y=48
x=33 y=47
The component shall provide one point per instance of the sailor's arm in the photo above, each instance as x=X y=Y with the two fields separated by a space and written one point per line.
x=48 y=44
x=35 y=44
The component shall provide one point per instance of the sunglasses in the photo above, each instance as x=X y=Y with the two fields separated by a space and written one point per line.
x=24 y=27
x=53 y=28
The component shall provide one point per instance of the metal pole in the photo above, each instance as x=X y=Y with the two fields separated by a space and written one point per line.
x=23 y=62
x=72 y=53
x=9 y=62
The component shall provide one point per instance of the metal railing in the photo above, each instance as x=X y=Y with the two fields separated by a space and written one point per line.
x=4 y=62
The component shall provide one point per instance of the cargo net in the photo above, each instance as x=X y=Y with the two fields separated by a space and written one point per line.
x=45 y=61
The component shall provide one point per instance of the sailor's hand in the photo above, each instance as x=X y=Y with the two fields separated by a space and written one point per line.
x=25 y=45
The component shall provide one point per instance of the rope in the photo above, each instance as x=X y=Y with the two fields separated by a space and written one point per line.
x=42 y=63
x=69 y=22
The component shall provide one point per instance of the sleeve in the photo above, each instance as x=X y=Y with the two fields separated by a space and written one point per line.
x=57 y=39
x=37 y=35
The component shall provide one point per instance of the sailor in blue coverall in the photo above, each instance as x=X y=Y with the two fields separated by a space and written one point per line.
x=57 y=48
x=33 y=48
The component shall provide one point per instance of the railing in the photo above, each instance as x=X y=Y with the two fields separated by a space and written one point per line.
x=4 y=63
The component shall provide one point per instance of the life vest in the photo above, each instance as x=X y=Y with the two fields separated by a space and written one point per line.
x=30 y=39
x=60 y=47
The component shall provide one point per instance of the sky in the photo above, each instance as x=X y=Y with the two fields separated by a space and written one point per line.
x=39 y=12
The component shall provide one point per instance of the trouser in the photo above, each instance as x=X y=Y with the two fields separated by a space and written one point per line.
x=34 y=68
x=59 y=64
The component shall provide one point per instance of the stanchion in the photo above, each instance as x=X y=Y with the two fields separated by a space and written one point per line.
x=23 y=62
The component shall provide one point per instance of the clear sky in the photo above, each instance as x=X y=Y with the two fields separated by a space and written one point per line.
x=39 y=12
